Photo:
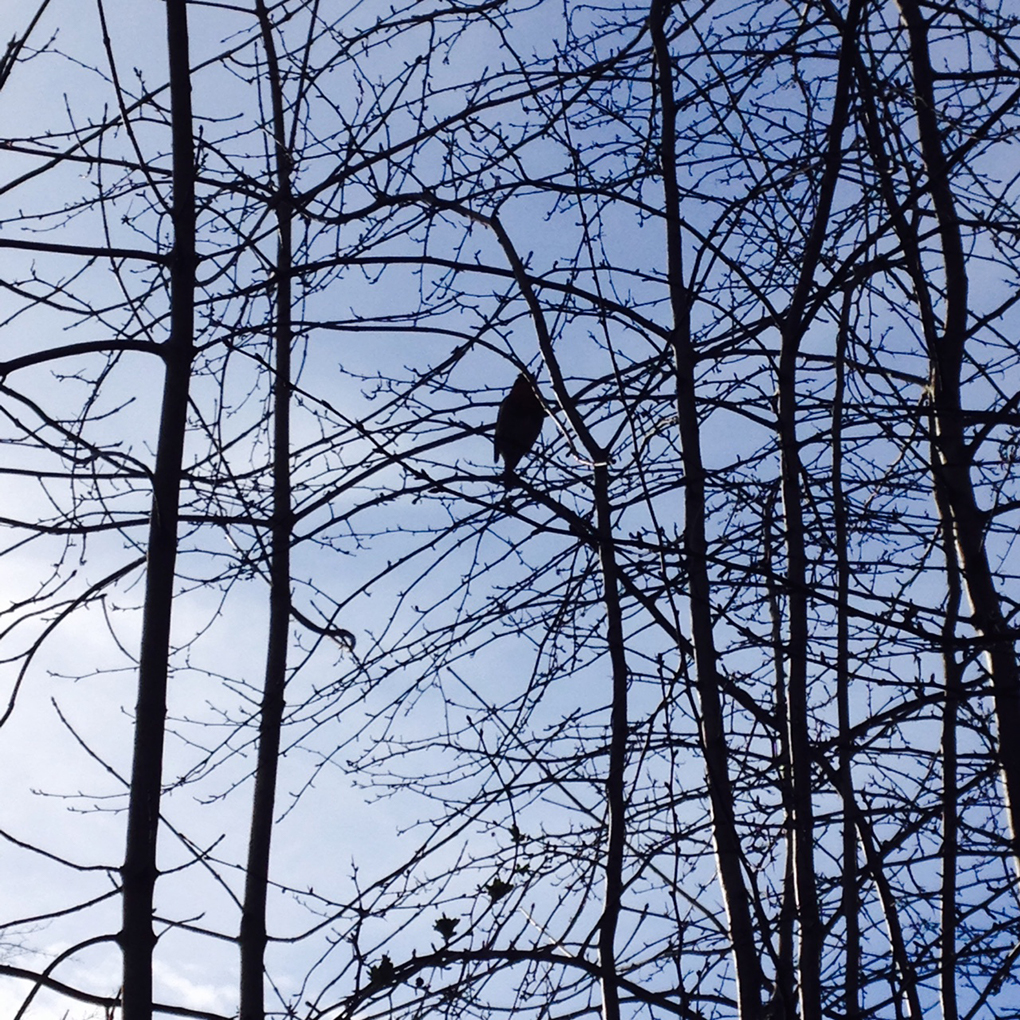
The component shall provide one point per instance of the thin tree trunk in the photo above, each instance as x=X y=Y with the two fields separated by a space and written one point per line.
x=915 y=266
x=713 y=738
x=784 y=994
x=615 y=778
x=798 y=737
x=253 y=932
x=890 y=910
x=793 y=328
x=850 y=897
x=953 y=676
x=139 y=871
x=954 y=455
x=619 y=723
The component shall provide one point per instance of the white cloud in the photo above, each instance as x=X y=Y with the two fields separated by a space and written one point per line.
x=173 y=983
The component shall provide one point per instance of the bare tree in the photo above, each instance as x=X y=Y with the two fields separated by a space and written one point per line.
x=690 y=719
x=139 y=873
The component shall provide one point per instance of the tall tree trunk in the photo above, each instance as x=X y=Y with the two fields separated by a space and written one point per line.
x=713 y=737
x=946 y=352
x=784 y=1003
x=794 y=326
x=615 y=777
x=953 y=672
x=798 y=736
x=619 y=723
x=253 y=933
x=840 y=535
x=139 y=871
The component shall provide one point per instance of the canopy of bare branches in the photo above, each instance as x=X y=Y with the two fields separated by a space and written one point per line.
x=709 y=708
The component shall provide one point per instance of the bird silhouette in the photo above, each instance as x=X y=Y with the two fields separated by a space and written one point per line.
x=518 y=425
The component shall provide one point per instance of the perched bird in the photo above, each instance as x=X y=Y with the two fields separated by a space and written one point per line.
x=518 y=425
